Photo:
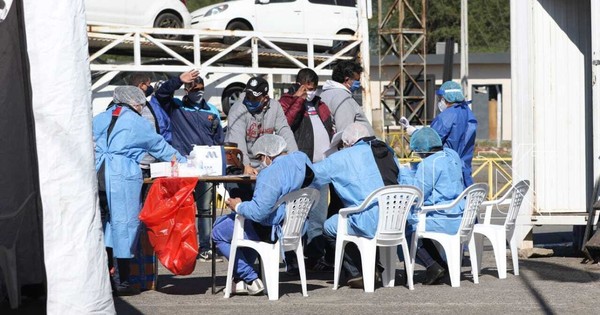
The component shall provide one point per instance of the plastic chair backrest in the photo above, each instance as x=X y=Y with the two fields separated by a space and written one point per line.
x=297 y=205
x=518 y=194
x=395 y=203
x=475 y=195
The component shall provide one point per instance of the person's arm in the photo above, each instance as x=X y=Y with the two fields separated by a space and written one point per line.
x=345 y=113
x=154 y=143
x=293 y=108
x=165 y=92
x=323 y=171
x=266 y=194
x=282 y=128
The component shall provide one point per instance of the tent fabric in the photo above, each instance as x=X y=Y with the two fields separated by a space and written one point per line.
x=61 y=85
x=20 y=205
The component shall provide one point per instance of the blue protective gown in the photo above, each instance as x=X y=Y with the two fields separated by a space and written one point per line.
x=457 y=126
x=130 y=139
x=439 y=176
x=354 y=174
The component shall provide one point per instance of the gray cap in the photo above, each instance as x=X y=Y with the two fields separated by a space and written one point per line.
x=269 y=145
x=353 y=133
x=130 y=95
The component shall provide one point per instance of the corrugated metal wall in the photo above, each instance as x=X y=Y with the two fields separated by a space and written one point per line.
x=560 y=48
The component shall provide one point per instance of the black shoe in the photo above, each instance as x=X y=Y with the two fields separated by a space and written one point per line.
x=434 y=273
x=125 y=289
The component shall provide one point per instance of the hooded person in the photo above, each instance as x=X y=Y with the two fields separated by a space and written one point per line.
x=455 y=124
x=253 y=115
x=364 y=165
x=439 y=176
x=282 y=173
x=122 y=137
x=337 y=94
x=194 y=121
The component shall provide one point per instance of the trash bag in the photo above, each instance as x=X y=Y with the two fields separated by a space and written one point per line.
x=169 y=213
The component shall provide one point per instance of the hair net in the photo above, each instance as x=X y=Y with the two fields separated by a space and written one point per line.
x=269 y=145
x=130 y=95
x=425 y=139
x=353 y=132
x=452 y=92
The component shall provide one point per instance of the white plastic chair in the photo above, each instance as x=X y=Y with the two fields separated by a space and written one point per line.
x=500 y=234
x=394 y=203
x=452 y=243
x=297 y=205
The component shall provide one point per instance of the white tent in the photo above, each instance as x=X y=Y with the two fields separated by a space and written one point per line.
x=74 y=255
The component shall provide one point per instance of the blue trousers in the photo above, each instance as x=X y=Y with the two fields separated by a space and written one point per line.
x=222 y=233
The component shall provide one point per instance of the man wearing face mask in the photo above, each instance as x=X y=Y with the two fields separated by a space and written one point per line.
x=194 y=122
x=252 y=116
x=337 y=94
x=455 y=124
x=311 y=122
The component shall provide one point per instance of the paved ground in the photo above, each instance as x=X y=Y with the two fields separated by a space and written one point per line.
x=548 y=285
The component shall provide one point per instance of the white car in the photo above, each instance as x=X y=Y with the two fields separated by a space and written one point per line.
x=144 y=13
x=221 y=89
x=318 y=17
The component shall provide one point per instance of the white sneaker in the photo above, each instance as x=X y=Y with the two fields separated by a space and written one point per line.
x=239 y=288
x=256 y=287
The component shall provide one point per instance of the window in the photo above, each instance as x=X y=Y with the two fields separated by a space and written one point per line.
x=346 y=3
x=328 y=2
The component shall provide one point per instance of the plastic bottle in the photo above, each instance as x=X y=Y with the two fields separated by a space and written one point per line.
x=174 y=167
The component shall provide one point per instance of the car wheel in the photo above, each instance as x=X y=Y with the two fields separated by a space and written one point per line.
x=168 y=20
x=236 y=26
x=230 y=95
x=340 y=44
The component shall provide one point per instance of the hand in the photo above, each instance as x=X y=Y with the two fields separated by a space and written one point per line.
x=233 y=202
x=249 y=170
x=301 y=92
x=404 y=122
x=190 y=76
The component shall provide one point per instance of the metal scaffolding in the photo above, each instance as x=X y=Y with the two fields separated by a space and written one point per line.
x=401 y=41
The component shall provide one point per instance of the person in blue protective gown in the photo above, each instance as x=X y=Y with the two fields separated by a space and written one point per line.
x=282 y=173
x=455 y=124
x=122 y=137
x=439 y=176
x=364 y=165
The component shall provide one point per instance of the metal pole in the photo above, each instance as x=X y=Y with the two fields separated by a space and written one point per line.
x=464 y=46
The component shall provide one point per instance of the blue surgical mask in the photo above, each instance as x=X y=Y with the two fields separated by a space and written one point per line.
x=355 y=85
x=195 y=96
x=252 y=106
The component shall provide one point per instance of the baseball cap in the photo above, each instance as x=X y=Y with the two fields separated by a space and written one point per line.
x=257 y=86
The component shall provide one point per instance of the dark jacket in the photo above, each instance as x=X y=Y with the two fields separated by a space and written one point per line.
x=299 y=121
x=191 y=124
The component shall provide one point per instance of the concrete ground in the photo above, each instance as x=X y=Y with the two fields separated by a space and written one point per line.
x=547 y=285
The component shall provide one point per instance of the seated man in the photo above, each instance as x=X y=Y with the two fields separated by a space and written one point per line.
x=282 y=173
x=365 y=165
x=439 y=175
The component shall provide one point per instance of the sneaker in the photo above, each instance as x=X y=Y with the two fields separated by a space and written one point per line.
x=125 y=289
x=356 y=283
x=322 y=266
x=255 y=287
x=239 y=288
x=206 y=256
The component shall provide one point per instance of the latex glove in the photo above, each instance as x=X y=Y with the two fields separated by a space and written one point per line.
x=249 y=170
x=406 y=125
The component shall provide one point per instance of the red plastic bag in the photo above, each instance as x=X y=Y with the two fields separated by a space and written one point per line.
x=169 y=214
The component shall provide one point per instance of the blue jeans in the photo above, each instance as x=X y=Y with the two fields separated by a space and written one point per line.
x=203 y=197
x=245 y=257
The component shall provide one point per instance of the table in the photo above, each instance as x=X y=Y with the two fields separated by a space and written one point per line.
x=215 y=180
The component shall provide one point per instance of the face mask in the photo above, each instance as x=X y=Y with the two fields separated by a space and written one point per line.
x=310 y=95
x=355 y=85
x=195 y=96
x=263 y=163
x=442 y=105
x=252 y=106
x=149 y=91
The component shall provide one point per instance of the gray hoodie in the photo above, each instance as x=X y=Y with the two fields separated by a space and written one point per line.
x=344 y=109
x=244 y=128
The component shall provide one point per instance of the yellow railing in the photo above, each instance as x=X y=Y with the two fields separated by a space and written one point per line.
x=490 y=167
